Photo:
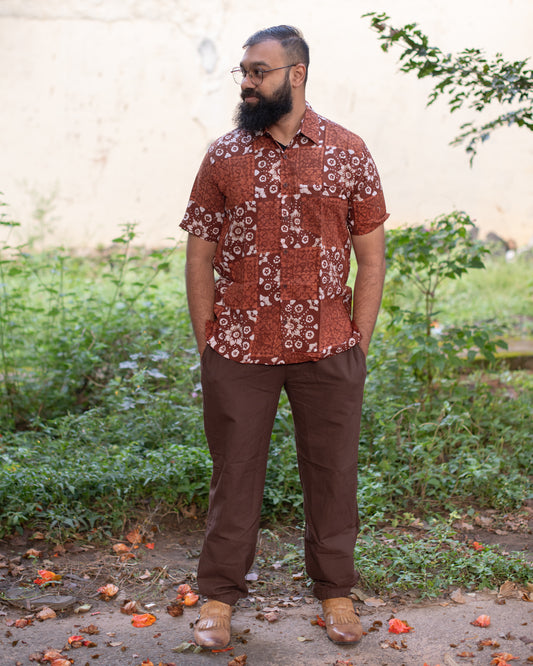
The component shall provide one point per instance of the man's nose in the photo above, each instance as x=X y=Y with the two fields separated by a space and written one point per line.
x=248 y=78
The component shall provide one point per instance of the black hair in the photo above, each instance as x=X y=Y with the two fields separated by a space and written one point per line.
x=291 y=39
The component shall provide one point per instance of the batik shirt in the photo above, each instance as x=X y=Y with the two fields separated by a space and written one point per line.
x=283 y=220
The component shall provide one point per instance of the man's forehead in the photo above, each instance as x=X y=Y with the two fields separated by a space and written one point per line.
x=270 y=52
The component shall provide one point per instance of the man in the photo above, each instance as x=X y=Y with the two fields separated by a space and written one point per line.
x=275 y=209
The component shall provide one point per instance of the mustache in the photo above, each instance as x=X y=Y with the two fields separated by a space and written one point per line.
x=250 y=92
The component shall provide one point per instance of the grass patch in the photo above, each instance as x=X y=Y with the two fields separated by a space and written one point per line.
x=432 y=563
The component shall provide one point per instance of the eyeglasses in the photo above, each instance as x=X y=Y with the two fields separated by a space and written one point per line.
x=255 y=75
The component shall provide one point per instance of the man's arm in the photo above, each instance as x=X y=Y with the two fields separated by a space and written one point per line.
x=370 y=254
x=200 y=281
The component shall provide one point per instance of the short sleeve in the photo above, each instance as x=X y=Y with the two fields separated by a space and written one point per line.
x=367 y=205
x=205 y=210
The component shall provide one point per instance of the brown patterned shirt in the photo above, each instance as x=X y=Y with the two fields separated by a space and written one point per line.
x=282 y=221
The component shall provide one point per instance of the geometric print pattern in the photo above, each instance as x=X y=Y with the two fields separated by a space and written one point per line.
x=283 y=220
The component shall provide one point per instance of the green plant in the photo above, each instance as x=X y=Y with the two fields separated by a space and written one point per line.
x=468 y=78
x=60 y=339
x=423 y=258
x=432 y=562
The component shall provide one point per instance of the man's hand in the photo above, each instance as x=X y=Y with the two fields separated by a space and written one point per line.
x=200 y=281
x=370 y=254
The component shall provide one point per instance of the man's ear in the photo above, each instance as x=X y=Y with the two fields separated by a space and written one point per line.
x=298 y=75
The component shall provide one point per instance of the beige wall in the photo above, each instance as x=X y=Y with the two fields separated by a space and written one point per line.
x=108 y=105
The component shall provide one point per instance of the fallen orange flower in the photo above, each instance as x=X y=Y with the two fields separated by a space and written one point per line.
x=183 y=589
x=108 y=591
x=150 y=545
x=121 y=548
x=75 y=639
x=190 y=599
x=502 y=659
x=399 y=627
x=320 y=621
x=144 y=620
x=46 y=577
x=481 y=621
x=477 y=546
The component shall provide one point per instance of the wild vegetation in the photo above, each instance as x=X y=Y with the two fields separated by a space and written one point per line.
x=101 y=409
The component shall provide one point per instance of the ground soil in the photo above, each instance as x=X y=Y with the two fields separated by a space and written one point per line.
x=276 y=624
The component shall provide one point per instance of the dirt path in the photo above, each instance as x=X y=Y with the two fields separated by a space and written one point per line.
x=276 y=625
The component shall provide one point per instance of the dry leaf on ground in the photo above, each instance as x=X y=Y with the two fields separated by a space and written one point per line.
x=129 y=607
x=175 y=608
x=374 y=602
x=238 y=661
x=458 y=597
x=134 y=537
x=46 y=614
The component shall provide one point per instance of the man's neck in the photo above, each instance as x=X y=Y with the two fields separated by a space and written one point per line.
x=287 y=127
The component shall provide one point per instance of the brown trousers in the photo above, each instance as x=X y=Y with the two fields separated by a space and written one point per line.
x=240 y=404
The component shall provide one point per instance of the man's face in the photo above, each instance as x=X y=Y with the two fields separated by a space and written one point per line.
x=264 y=104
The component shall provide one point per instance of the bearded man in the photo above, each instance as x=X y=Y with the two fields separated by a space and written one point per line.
x=276 y=207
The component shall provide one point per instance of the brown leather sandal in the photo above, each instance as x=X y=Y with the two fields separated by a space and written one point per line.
x=212 y=629
x=342 y=624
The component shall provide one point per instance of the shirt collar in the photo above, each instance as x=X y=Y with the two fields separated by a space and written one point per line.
x=309 y=127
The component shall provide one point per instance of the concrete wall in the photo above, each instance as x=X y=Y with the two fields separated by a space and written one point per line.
x=108 y=106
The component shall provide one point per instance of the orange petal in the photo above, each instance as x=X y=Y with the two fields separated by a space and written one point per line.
x=150 y=545
x=75 y=639
x=47 y=576
x=502 y=659
x=108 y=590
x=183 y=589
x=144 y=620
x=399 y=626
x=477 y=546
x=121 y=548
x=320 y=621
x=481 y=621
x=190 y=599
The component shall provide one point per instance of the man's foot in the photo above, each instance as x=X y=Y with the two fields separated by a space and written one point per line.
x=212 y=629
x=342 y=624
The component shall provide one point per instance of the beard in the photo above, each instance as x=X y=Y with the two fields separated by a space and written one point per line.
x=266 y=111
